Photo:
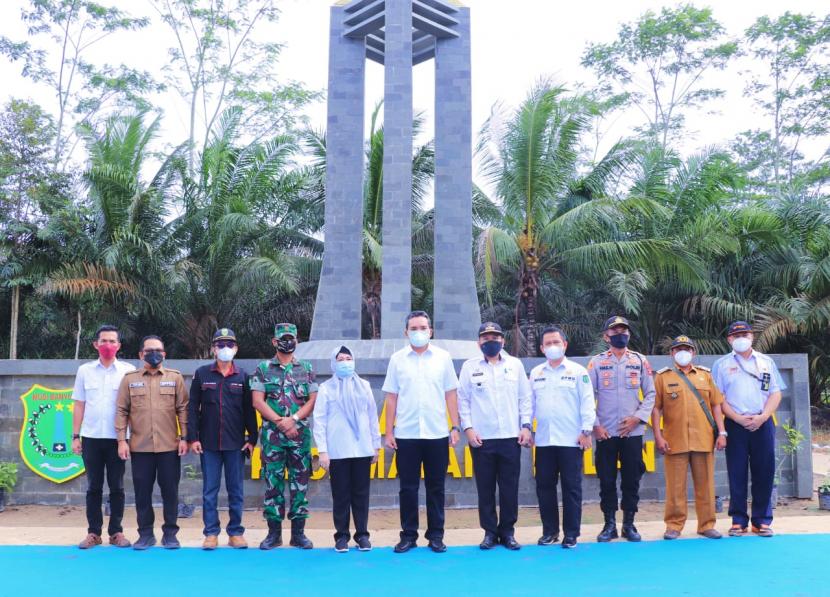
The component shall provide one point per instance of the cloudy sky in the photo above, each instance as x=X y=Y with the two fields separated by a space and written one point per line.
x=515 y=43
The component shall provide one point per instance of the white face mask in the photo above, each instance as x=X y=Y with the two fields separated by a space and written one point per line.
x=683 y=357
x=741 y=344
x=554 y=352
x=225 y=354
x=419 y=338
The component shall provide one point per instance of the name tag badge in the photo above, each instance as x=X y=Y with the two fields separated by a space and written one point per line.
x=567 y=382
x=511 y=375
x=167 y=384
x=765 y=382
x=137 y=384
x=539 y=382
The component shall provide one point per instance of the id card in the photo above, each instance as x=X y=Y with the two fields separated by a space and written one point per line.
x=765 y=380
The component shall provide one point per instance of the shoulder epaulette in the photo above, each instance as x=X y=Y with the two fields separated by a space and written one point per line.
x=172 y=371
x=663 y=370
x=702 y=367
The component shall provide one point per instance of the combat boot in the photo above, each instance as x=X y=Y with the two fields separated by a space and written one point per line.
x=274 y=537
x=298 y=538
x=609 y=531
x=629 y=531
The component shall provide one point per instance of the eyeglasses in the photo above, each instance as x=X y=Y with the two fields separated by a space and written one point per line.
x=225 y=344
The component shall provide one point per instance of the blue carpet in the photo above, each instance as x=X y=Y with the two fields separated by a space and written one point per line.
x=784 y=565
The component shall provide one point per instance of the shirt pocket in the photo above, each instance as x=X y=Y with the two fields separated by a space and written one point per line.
x=608 y=380
x=92 y=390
x=540 y=383
x=632 y=380
x=139 y=397
x=235 y=389
x=167 y=397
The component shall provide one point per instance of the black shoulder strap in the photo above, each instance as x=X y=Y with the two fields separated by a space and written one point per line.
x=700 y=400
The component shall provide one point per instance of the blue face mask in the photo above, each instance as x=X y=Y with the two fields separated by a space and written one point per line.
x=491 y=348
x=344 y=369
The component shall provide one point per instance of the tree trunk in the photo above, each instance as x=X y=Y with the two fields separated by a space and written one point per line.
x=15 y=316
x=78 y=337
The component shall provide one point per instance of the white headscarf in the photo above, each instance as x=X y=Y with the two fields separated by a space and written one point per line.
x=350 y=393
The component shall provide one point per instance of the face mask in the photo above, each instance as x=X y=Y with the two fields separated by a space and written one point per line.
x=419 y=339
x=344 y=369
x=683 y=357
x=491 y=348
x=741 y=344
x=107 y=351
x=286 y=346
x=225 y=354
x=619 y=340
x=554 y=352
x=153 y=358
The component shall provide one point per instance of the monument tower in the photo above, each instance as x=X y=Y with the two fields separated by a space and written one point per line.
x=398 y=34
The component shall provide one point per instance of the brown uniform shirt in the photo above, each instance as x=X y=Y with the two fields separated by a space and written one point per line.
x=685 y=425
x=152 y=402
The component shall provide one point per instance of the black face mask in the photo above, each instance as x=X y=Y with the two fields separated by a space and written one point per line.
x=619 y=340
x=491 y=348
x=153 y=358
x=286 y=346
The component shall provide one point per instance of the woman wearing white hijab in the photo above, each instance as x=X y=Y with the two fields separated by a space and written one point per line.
x=347 y=436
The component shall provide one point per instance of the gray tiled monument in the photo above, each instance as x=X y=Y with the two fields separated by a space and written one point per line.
x=398 y=34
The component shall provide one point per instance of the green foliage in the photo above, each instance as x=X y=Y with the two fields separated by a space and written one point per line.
x=8 y=476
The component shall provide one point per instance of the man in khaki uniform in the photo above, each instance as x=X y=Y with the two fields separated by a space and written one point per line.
x=152 y=402
x=686 y=438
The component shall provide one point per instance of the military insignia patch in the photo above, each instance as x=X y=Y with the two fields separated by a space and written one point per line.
x=46 y=435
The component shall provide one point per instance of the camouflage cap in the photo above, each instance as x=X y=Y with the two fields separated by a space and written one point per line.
x=683 y=341
x=285 y=329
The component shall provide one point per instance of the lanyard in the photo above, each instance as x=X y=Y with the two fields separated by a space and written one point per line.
x=764 y=379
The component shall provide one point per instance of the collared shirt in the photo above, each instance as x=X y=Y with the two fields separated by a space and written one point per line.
x=617 y=386
x=494 y=398
x=741 y=379
x=685 y=425
x=97 y=387
x=332 y=432
x=153 y=403
x=563 y=403
x=220 y=413
x=421 y=382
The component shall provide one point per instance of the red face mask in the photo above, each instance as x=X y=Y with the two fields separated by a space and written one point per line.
x=107 y=351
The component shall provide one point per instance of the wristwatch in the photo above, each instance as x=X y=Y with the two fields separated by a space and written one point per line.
x=723 y=434
x=76 y=436
x=295 y=417
x=527 y=426
x=587 y=433
x=455 y=428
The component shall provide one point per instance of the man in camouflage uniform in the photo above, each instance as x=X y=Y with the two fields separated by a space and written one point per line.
x=283 y=391
x=619 y=375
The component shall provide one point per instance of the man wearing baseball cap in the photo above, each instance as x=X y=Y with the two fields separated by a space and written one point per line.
x=751 y=385
x=495 y=407
x=619 y=376
x=222 y=430
x=284 y=390
x=689 y=403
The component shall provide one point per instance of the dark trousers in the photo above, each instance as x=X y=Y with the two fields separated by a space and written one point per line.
x=213 y=461
x=750 y=452
x=100 y=459
x=629 y=452
x=498 y=462
x=350 y=492
x=149 y=467
x=434 y=455
x=559 y=463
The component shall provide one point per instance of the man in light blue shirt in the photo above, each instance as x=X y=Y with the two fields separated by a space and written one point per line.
x=751 y=385
x=563 y=405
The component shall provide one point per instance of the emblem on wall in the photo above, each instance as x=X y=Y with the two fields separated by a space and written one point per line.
x=46 y=435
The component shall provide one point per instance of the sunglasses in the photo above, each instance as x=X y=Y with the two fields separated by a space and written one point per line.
x=225 y=344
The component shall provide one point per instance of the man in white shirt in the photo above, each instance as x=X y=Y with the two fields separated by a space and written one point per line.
x=495 y=408
x=563 y=405
x=94 y=437
x=420 y=390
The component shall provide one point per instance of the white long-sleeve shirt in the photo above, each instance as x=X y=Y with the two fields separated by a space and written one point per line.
x=563 y=403
x=97 y=387
x=332 y=432
x=494 y=399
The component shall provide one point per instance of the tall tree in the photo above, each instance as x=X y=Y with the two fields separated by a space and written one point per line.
x=793 y=93
x=217 y=61
x=659 y=61
x=62 y=37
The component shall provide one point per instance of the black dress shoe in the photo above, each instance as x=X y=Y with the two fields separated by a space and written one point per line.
x=510 y=543
x=170 y=542
x=437 y=545
x=404 y=545
x=144 y=542
x=489 y=542
x=569 y=542
x=547 y=540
